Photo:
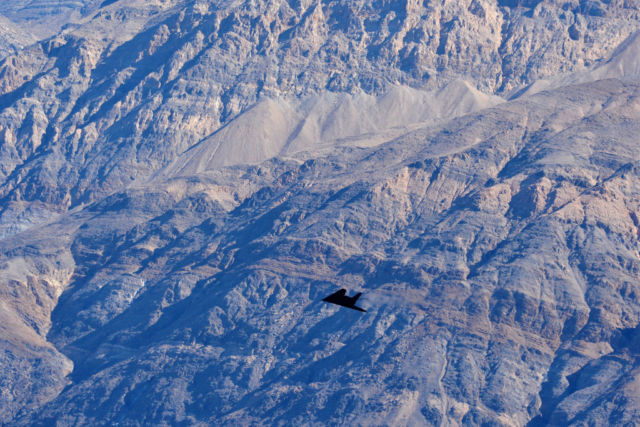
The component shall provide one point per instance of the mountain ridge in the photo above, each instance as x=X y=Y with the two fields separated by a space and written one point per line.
x=171 y=219
x=136 y=95
x=218 y=275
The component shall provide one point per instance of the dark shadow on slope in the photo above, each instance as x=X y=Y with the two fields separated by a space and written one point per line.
x=10 y=98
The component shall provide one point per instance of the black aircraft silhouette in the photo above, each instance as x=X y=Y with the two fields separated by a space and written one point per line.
x=342 y=299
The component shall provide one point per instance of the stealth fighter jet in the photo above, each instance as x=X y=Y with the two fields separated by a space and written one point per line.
x=342 y=299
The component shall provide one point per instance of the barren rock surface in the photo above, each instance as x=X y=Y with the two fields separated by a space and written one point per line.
x=13 y=37
x=44 y=18
x=183 y=182
x=131 y=85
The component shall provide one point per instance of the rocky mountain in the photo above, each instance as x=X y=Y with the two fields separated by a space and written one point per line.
x=123 y=92
x=12 y=37
x=45 y=18
x=182 y=182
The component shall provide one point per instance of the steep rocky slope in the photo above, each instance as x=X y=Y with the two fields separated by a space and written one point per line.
x=45 y=18
x=498 y=255
x=177 y=198
x=13 y=37
x=131 y=85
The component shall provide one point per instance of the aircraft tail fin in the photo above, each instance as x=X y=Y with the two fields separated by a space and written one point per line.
x=356 y=296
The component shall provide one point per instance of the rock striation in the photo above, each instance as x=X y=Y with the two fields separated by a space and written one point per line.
x=129 y=86
x=183 y=182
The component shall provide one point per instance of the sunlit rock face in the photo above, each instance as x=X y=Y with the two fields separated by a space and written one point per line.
x=181 y=183
x=44 y=18
x=128 y=86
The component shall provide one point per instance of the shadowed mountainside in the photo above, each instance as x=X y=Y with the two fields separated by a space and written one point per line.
x=197 y=299
x=182 y=182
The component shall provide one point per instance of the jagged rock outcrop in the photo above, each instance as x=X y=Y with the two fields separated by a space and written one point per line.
x=498 y=261
x=129 y=87
x=45 y=18
x=12 y=37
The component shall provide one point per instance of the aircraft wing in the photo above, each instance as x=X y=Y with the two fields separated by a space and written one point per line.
x=341 y=298
x=336 y=296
